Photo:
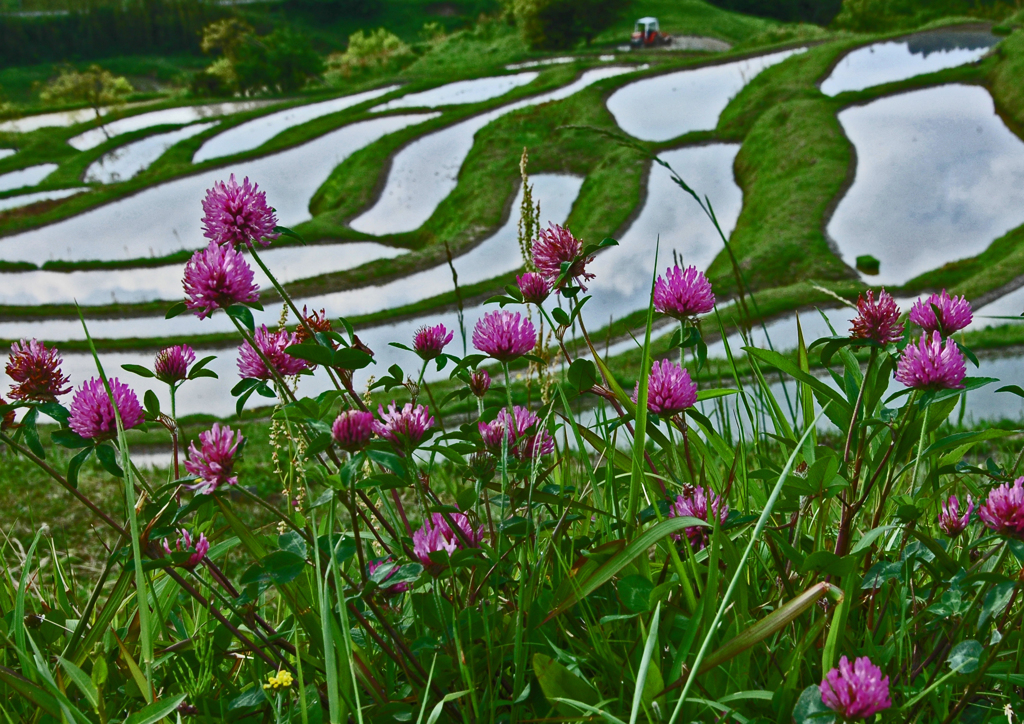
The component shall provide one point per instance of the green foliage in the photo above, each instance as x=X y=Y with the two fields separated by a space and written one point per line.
x=562 y=24
x=378 y=50
x=820 y=12
x=105 y=31
x=95 y=87
x=883 y=15
x=282 y=62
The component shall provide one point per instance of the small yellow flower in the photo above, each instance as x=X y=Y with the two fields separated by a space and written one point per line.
x=282 y=679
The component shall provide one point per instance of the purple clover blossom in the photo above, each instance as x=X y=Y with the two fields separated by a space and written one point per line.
x=479 y=383
x=7 y=419
x=430 y=341
x=172 y=363
x=197 y=547
x=877 y=320
x=435 y=535
x=534 y=287
x=273 y=346
x=395 y=588
x=954 y=313
x=554 y=246
x=669 y=389
x=217 y=277
x=930 y=365
x=855 y=691
x=521 y=444
x=405 y=427
x=504 y=335
x=950 y=520
x=492 y=433
x=214 y=461
x=35 y=368
x=352 y=430
x=92 y=414
x=1003 y=512
x=694 y=503
x=683 y=293
x=236 y=214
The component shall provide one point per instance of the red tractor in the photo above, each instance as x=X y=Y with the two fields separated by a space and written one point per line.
x=646 y=34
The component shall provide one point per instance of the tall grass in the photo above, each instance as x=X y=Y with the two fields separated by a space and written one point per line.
x=588 y=596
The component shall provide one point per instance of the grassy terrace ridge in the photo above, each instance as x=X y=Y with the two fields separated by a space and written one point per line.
x=793 y=151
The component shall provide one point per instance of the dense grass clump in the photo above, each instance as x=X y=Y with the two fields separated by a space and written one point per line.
x=530 y=538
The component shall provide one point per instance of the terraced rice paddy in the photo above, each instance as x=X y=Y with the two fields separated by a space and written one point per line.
x=936 y=178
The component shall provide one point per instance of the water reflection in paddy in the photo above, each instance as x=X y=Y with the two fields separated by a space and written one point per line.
x=148 y=284
x=424 y=172
x=460 y=93
x=48 y=120
x=900 y=59
x=253 y=134
x=131 y=159
x=13 y=202
x=166 y=218
x=623 y=273
x=939 y=177
x=667 y=106
x=169 y=116
x=26 y=176
x=496 y=255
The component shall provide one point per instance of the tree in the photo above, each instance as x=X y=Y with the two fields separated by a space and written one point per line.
x=225 y=37
x=283 y=61
x=94 y=87
x=561 y=24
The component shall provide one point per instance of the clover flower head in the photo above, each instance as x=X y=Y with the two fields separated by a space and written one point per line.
x=217 y=277
x=186 y=543
x=695 y=502
x=683 y=293
x=352 y=430
x=522 y=444
x=6 y=419
x=92 y=414
x=395 y=588
x=534 y=287
x=236 y=214
x=669 y=389
x=950 y=520
x=877 y=319
x=35 y=369
x=954 y=313
x=172 y=363
x=1003 y=512
x=316 y=321
x=554 y=246
x=857 y=690
x=273 y=346
x=927 y=364
x=436 y=535
x=403 y=427
x=479 y=383
x=213 y=462
x=504 y=335
x=429 y=342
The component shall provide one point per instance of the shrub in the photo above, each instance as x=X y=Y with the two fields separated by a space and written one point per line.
x=377 y=50
x=562 y=24
x=94 y=87
x=882 y=15
x=283 y=61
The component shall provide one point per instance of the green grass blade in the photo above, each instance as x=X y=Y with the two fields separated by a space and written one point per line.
x=645 y=665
